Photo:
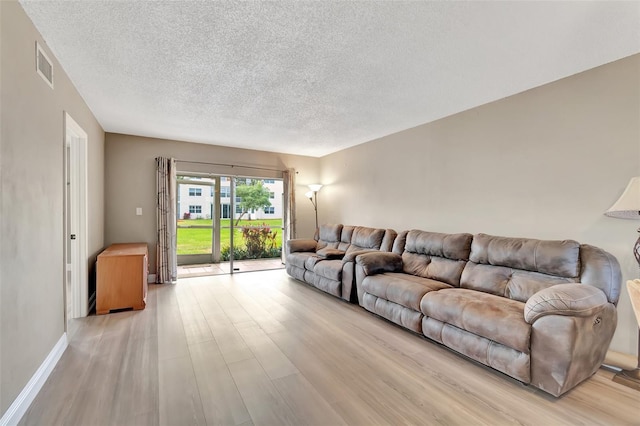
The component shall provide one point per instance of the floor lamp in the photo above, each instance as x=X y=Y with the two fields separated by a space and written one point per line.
x=628 y=207
x=313 y=197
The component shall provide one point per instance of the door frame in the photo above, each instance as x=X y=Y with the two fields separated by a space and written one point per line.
x=75 y=141
x=214 y=256
x=191 y=259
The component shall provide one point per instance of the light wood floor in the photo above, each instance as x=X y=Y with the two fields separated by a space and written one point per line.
x=261 y=348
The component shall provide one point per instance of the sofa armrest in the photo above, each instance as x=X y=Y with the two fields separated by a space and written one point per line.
x=330 y=253
x=301 y=245
x=351 y=256
x=378 y=262
x=578 y=300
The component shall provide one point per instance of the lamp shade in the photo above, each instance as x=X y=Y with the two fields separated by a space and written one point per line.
x=315 y=187
x=309 y=194
x=628 y=205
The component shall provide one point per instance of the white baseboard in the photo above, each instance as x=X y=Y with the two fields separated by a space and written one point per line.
x=15 y=412
x=151 y=278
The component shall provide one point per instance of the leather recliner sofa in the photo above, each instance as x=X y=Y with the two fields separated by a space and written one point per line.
x=543 y=312
x=328 y=263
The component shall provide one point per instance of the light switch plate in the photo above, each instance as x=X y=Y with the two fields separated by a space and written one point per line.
x=138 y=211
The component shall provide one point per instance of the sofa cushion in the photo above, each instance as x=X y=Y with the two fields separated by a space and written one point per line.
x=399 y=243
x=345 y=237
x=508 y=282
x=441 y=257
x=388 y=240
x=329 y=236
x=493 y=317
x=438 y=268
x=311 y=261
x=331 y=269
x=524 y=284
x=302 y=259
x=367 y=238
x=402 y=289
x=559 y=258
x=450 y=246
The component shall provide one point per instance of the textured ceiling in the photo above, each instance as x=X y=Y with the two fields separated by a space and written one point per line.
x=312 y=78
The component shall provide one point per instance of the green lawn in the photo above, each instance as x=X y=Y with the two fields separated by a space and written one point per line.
x=198 y=240
x=225 y=222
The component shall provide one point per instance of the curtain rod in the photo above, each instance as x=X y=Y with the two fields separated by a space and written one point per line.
x=230 y=165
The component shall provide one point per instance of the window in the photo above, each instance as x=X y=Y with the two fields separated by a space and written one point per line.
x=272 y=195
x=269 y=181
x=225 y=192
x=269 y=210
x=238 y=199
x=195 y=209
x=195 y=192
x=238 y=208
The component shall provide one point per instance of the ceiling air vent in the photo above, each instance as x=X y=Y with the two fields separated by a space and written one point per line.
x=44 y=65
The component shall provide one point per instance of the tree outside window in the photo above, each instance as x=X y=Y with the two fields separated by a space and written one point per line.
x=252 y=196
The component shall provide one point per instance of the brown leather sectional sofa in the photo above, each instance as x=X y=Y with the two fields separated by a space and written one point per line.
x=543 y=312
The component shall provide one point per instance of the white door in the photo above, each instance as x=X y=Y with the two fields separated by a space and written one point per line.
x=75 y=220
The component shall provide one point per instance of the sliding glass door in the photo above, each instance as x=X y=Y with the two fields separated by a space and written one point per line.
x=228 y=224
x=196 y=224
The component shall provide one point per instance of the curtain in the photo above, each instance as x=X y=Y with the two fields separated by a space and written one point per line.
x=289 y=186
x=166 y=257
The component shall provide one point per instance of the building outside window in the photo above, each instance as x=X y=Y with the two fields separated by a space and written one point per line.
x=190 y=197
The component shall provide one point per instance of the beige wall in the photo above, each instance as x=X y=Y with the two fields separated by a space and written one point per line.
x=545 y=163
x=130 y=182
x=31 y=211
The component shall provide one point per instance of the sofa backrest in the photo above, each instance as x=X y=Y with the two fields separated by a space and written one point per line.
x=399 y=243
x=345 y=237
x=517 y=268
x=329 y=236
x=363 y=238
x=602 y=270
x=437 y=256
x=354 y=238
x=388 y=240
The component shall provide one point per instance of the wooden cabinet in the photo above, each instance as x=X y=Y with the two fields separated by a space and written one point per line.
x=122 y=278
